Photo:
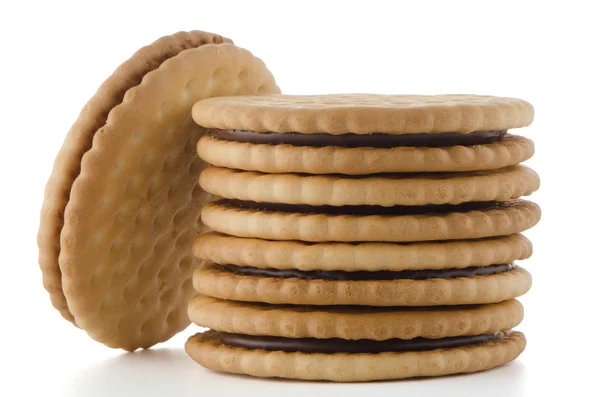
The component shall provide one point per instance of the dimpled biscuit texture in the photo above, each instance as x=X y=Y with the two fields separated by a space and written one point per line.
x=364 y=113
x=513 y=217
x=214 y=281
x=223 y=249
x=207 y=350
x=360 y=161
x=134 y=209
x=385 y=190
x=79 y=140
x=353 y=323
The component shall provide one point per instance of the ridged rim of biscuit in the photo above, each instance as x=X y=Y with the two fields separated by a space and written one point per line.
x=352 y=323
x=130 y=221
x=511 y=150
x=515 y=217
x=207 y=350
x=374 y=256
x=79 y=140
x=364 y=113
x=214 y=281
x=384 y=190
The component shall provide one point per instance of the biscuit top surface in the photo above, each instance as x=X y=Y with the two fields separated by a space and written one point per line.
x=363 y=113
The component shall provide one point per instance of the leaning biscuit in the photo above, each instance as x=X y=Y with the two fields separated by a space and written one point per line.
x=132 y=211
x=79 y=140
x=400 y=224
x=511 y=150
x=353 y=323
x=373 y=256
x=208 y=350
x=383 y=190
x=220 y=282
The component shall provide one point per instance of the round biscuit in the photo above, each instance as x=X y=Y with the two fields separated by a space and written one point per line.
x=133 y=209
x=382 y=190
x=512 y=217
x=79 y=140
x=353 y=323
x=372 y=256
x=214 y=281
x=511 y=150
x=364 y=113
x=207 y=350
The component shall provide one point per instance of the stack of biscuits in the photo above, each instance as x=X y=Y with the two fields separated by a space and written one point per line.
x=362 y=237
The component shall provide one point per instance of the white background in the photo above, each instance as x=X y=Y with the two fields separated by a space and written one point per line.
x=54 y=55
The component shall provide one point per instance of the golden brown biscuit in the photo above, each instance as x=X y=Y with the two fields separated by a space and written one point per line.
x=79 y=140
x=365 y=160
x=364 y=113
x=132 y=211
x=495 y=220
x=383 y=190
x=208 y=350
x=353 y=323
x=215 y=281
x=372 y=256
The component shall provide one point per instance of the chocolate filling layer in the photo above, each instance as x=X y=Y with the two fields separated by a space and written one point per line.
x=336 y=345
x=337 y=275
x=375 y=139
x=362 y=209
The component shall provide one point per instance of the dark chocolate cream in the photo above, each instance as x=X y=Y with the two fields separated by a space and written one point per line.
x=363 y=209
x=376 y=139
x=337 y=345
x=338 y=275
